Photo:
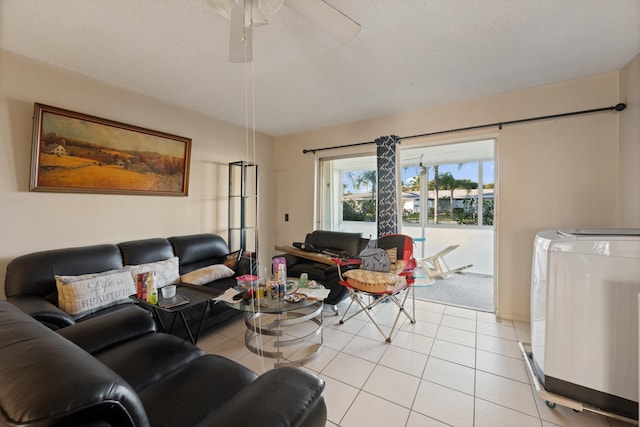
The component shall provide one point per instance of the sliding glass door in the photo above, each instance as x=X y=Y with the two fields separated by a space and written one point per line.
x=446 y=197
x=348 y=199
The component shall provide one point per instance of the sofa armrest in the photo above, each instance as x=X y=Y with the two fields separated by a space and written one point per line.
x=280 y=397
x=110 y=329
x=42 y=310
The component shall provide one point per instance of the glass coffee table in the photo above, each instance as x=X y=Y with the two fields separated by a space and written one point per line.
x=289 y=323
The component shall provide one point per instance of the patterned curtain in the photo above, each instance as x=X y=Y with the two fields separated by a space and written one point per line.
x=387 y=198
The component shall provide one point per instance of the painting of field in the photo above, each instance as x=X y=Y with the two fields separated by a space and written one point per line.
x=75 y=152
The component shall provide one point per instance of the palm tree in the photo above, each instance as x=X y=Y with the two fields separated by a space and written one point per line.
x=448 y=182
x=371 y=177
x=436 y=189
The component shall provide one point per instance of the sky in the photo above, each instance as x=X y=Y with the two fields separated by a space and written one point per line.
x=468 y=171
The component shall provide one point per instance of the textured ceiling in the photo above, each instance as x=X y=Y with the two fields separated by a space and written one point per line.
x=409 y=53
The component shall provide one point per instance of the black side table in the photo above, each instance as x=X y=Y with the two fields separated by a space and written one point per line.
x=196 y=295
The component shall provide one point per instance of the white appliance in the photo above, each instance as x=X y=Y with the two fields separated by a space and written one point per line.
x=584 y=316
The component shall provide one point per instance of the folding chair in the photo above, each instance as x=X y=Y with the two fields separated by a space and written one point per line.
x=370 y=288
x=436 y=267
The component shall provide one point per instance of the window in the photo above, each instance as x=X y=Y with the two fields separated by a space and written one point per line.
x=445 y=185
x=349 y=194
x=449 y=185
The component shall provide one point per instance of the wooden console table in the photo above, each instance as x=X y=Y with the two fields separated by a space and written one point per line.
x=313 y=256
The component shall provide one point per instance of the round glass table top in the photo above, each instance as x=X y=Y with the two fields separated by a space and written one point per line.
x=292 y=301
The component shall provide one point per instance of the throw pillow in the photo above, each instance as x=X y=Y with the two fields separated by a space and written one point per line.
x=82 y=295
x=166 y=272
x=207 y=274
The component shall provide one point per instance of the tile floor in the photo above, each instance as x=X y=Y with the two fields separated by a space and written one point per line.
x=453 y=367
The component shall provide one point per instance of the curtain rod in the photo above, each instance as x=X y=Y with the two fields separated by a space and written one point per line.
x=618 y=107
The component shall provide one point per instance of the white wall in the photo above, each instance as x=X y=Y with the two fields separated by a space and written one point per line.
x=550 y=174
x=31 y=221
x=630 y=145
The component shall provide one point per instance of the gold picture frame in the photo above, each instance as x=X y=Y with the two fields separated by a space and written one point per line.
x=75 y=152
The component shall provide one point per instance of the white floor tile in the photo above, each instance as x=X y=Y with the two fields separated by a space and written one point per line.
x=483 y=316
x=457 y=336
x=491 y=415
x=497 y=330
x=501 y=365
x=338 y=397
x=336 y=339
x=407 y=361
x=498 y=345
x=428 y=315
x=444 y=404
x=392 y=385
x=349 y=369
x=370 y=331
x=324 y=357
x=366 y=348
x=421 y=327
x=352 y=326
x=453 y=367
x=430 y=306
x=458 y=323
x=523 y=335
x=506 y=392
x=414 y=342
x=452 y=375
x=460 y=312
x=209 y=341
x=371 y=411
x=419 y=420
x=455 y=353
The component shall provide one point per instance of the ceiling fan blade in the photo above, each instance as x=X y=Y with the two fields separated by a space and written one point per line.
x=240 y=37
x=327 y=18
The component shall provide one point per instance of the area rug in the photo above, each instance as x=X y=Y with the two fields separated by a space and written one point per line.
x=461 y=289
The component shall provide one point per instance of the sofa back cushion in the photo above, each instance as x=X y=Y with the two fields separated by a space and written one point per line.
x=145 y=251
x=199 y=250
x=34 y=274
x=47 y=380
x=337 y=241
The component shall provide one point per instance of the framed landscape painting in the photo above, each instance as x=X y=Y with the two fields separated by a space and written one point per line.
x=74 y=152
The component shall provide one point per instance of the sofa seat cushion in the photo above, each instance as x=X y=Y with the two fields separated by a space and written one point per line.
x=146 y=360
x=188 y=395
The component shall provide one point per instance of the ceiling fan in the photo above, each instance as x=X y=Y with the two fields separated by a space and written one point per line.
x=243 y=15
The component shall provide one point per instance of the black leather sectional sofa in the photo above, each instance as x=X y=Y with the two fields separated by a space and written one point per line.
x=30 y=279
x=116 y=370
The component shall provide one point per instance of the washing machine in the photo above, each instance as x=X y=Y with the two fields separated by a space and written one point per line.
x=584 y=316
